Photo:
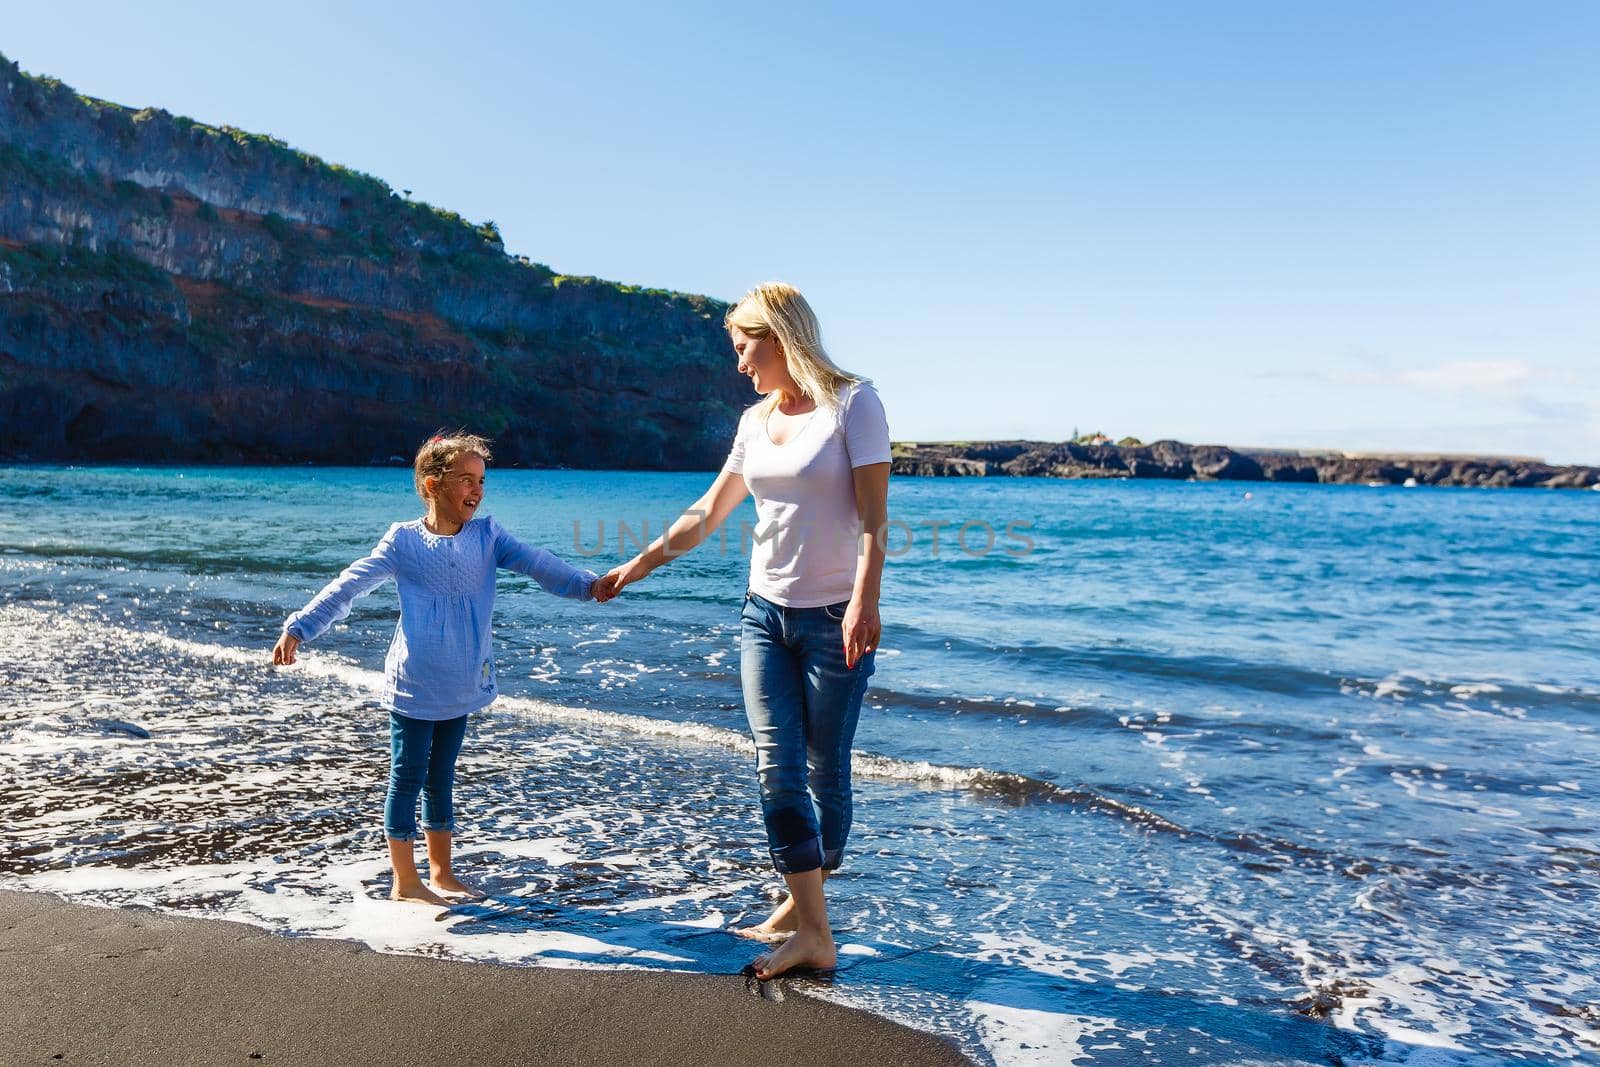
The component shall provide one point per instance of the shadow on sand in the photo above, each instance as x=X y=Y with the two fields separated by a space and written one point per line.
x=1172 y=1027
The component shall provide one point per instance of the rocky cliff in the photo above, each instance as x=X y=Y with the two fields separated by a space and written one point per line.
x=1174 y=459
x=176 y=292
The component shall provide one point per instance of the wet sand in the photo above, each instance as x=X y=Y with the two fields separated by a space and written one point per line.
x=93 y=985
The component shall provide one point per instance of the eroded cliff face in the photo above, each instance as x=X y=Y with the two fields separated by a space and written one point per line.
x=174 y=292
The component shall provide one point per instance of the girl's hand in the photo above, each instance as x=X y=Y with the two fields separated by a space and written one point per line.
x=604 y=588
x=625 y=575
x=862 y=629
x=283 y=651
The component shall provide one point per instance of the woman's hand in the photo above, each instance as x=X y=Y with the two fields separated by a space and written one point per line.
x=613 y=581
x=862 y=629
x=283 y=651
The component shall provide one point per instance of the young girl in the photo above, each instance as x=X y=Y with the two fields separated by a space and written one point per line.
x=440 y=665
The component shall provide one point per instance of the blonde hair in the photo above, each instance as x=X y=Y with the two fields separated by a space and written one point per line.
x=773 y=309
x=441 y=450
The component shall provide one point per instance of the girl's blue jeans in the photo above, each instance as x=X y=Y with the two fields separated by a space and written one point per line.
x=802 y=703
x=422 y=759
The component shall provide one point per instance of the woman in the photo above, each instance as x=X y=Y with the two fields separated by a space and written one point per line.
x=815 y=455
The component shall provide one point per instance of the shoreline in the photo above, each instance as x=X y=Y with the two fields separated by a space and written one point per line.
x=96 y=985
x=1162 y=461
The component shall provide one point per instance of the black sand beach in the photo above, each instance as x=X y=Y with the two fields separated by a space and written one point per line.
x=128 y=986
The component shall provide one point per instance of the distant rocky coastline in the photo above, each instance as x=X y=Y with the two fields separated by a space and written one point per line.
x=1176 y=460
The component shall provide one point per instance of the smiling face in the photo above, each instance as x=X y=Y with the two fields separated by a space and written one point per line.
x=761 y=360
x=453 y=497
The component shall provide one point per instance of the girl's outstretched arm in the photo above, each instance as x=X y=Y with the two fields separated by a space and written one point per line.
x=553 y=574
x=333 y=602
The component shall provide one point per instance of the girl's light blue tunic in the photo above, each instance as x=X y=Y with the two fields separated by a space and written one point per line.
x=441 y=661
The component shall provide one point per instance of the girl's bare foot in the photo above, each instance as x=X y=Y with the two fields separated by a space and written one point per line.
x=447 y=884
x=777 y=927
x=418 y=894
x=807 y=948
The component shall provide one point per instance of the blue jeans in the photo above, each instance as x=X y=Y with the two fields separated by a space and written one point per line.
x=802 y=703
x=422 y=759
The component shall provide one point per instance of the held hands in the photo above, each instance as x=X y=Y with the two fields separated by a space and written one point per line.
x=283 y=651
x=612 y=582
x=862 y=629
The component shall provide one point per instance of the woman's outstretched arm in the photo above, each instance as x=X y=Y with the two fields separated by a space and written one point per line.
x=703 y=518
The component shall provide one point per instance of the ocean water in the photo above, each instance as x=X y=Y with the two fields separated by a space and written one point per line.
x=1169 y=773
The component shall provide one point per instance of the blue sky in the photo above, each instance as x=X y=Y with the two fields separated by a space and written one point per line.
x=1358 y=225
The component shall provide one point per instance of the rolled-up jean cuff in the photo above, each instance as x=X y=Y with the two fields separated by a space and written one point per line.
x=832 y=858
x=798 y=858
x=392 y=836
x=443 y=827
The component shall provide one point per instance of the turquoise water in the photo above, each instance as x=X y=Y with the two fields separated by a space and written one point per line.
x=1199 y=772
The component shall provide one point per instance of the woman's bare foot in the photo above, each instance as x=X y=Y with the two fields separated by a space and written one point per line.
x=447 y=884
x=807 y=948
x=775 y=928
x=417 y=894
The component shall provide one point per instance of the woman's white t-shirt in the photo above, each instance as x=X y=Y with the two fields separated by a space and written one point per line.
x=808 y=532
